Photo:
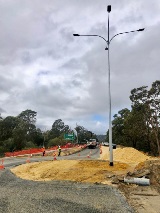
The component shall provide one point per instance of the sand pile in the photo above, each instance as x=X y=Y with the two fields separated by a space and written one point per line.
x=125 y=160
x=75 y=170
x=126 y=154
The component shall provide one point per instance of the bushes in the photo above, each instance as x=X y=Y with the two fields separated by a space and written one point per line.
x=56 y=142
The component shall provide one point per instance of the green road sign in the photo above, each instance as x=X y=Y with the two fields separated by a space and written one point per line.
x=69 y=136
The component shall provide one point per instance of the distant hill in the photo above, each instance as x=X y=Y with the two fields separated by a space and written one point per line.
x=101 y=138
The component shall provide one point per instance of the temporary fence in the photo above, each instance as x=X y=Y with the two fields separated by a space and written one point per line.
x=37 y=150
x=24 y=152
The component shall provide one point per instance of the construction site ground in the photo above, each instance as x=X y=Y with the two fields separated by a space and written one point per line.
x=128 y=162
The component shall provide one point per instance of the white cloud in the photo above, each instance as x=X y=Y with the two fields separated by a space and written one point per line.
x=44 y=68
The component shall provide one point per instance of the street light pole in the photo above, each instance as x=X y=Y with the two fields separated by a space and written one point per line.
x=109 y=97
x=77 y=133
x=43 y=139
x=109 y=85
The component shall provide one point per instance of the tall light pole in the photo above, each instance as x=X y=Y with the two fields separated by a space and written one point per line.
x=109 y=84
x=76 y=132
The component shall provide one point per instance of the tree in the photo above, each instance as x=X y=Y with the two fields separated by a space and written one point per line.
x=154 y=111
x=20 y=135
x=38 y=137
x=28 y=116
x=84 y=134
x=6 y=127
x=135 y=130
x=149 y=102
x=58 y=128
x=118 y=127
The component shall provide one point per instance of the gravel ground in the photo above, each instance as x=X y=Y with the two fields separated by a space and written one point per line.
x=22 y=196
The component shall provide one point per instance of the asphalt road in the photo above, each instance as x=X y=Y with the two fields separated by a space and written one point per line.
x=84 y=154
x=23 y=196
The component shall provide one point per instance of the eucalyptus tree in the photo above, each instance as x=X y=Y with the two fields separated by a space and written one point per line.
x=135 y=130
x=58 y=128
x=28 y=116
x=149 y=103
x=118 y=127
x=6 y=127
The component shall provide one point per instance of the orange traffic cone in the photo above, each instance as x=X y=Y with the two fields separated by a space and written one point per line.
x=2 y=166
x=28 y=160
x=88 y=156
x=54 y=158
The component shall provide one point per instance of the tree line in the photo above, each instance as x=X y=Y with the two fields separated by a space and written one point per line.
x=20 y=132
x=140 y=126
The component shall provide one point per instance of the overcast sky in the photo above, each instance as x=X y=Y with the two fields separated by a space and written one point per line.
x=45 y=69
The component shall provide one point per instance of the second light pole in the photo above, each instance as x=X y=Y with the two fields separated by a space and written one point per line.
x=109 y=84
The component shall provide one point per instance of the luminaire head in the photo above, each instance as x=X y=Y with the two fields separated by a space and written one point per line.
x=109 y=8
x=141 y=29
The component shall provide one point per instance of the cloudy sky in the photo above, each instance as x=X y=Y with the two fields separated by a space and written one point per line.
x=45 y=69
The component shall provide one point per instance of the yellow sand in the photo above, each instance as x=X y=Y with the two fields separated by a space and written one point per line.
x=75 y=170
x=126 y=154
x=125 y=159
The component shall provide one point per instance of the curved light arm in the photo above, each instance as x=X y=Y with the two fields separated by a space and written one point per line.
x=132 y=31
x=92 y=35
x=112 y=37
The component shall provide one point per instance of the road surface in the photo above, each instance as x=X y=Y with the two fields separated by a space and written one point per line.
x=24 y=196
x=10 y=162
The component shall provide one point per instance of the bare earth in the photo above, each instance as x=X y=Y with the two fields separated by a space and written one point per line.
x=142 y=198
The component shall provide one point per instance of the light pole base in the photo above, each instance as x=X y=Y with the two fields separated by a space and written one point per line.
x=111 y=163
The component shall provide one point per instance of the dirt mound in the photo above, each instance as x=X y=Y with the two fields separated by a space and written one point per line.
x=125 y=160
x=127 y=155
x=74 y=170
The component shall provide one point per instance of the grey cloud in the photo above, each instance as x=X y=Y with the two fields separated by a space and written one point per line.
x=1 y=110
x=43 y=72
x=38 y=50
x=76 y=83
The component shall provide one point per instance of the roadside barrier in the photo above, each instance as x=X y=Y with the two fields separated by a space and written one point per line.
x=2 y=166
x=38 y=150
x=24 y=152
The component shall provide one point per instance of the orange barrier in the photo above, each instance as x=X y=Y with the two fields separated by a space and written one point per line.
x=2 y=166
x=24 y=152
x=38 y=150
